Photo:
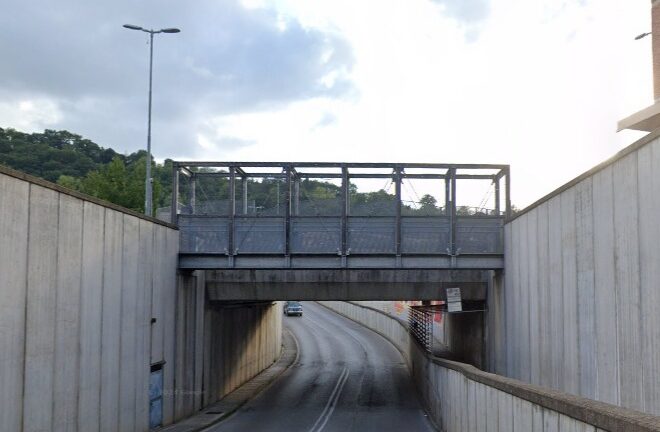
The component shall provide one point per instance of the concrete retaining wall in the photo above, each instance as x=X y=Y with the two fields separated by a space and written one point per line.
x=90 y=299
x=79 y=284
x=460 y=397
x=245 y=341
x=581 y=295
x=218 y=346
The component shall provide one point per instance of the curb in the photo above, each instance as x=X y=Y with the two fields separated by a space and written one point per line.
x=228 y=405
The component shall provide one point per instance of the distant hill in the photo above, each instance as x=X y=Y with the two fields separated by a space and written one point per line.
x=78 y=163
x=52 y=153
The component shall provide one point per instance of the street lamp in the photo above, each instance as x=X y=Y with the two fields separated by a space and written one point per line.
x=148 y=181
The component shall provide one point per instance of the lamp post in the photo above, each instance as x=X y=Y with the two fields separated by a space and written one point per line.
x=148 y=181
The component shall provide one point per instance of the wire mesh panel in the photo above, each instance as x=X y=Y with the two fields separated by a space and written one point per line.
x=317 y=197
x=420 y=325
x=424 y=235
x=479 y=235
x=341 y=208
x=266 y=197
x=315 y=235
x=203 y=234
x=371 y=235
x=259 y=235
x=377 y=203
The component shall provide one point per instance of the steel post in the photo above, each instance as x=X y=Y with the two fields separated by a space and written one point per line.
x=497 y=196
x=244 y=195
x=452 y=214
x=193 y=193
x=175 y=194
x=287 y=215
x=397 y=232
x=232 y=212
x=296 y=196
x=345 y=204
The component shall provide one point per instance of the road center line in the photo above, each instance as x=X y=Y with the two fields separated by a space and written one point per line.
x=332 y=400
x=334 y=403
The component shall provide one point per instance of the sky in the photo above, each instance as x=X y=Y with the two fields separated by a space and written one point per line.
x=537 y=84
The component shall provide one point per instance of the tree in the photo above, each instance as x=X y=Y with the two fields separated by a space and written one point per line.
x=121 y=184
x=69 y=182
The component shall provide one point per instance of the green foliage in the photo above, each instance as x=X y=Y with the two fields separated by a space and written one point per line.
x=69 y=182
x=51 y=154
x=80 y=164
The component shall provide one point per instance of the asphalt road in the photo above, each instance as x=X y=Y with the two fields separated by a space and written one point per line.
x=347 y=378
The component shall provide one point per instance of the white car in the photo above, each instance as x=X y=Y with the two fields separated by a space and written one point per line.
x=293 y=308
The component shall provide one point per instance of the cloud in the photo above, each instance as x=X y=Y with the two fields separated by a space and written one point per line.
x=467 y=11
x=77 y=62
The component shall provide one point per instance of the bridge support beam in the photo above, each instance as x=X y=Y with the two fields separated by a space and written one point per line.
x=343 y=284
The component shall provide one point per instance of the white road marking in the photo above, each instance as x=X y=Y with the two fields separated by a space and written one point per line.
x=332 y=402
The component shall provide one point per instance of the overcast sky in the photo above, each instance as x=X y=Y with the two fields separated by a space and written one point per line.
x=538 y=84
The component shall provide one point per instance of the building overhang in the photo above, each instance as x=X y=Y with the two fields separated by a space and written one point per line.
x=646 y=120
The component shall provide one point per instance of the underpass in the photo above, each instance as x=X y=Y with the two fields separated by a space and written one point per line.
x=347 y=378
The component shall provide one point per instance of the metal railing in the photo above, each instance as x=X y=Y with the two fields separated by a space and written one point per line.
x=216 y=214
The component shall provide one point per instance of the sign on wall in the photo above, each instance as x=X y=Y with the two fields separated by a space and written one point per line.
x=454 y=300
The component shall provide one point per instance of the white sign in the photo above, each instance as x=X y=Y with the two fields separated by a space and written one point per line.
x=454 y=307
x=454 y=300
x=453 y=295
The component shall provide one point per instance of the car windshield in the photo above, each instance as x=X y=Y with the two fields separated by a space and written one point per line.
x=294 y=304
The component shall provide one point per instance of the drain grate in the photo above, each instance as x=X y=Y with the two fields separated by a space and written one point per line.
x=214 y=412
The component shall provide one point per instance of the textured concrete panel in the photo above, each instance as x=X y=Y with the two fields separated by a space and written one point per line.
x=522 y=415
x=143 y=324
x=571 y=379
x=129 y=294
x=157 y=295
x=627 y=276
x=13 y=280
x=67 y=330
x=523 y=304
x=550 y=421
x=512 y=281
x=544 y=312
x=91 y=297
x=606 y=340
x=168 y=256
x=41 y=311
x=533 y=297
x=649 y=251
x=111 y=321
x=505 y=411
x=555 y=332
x=584 y=222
